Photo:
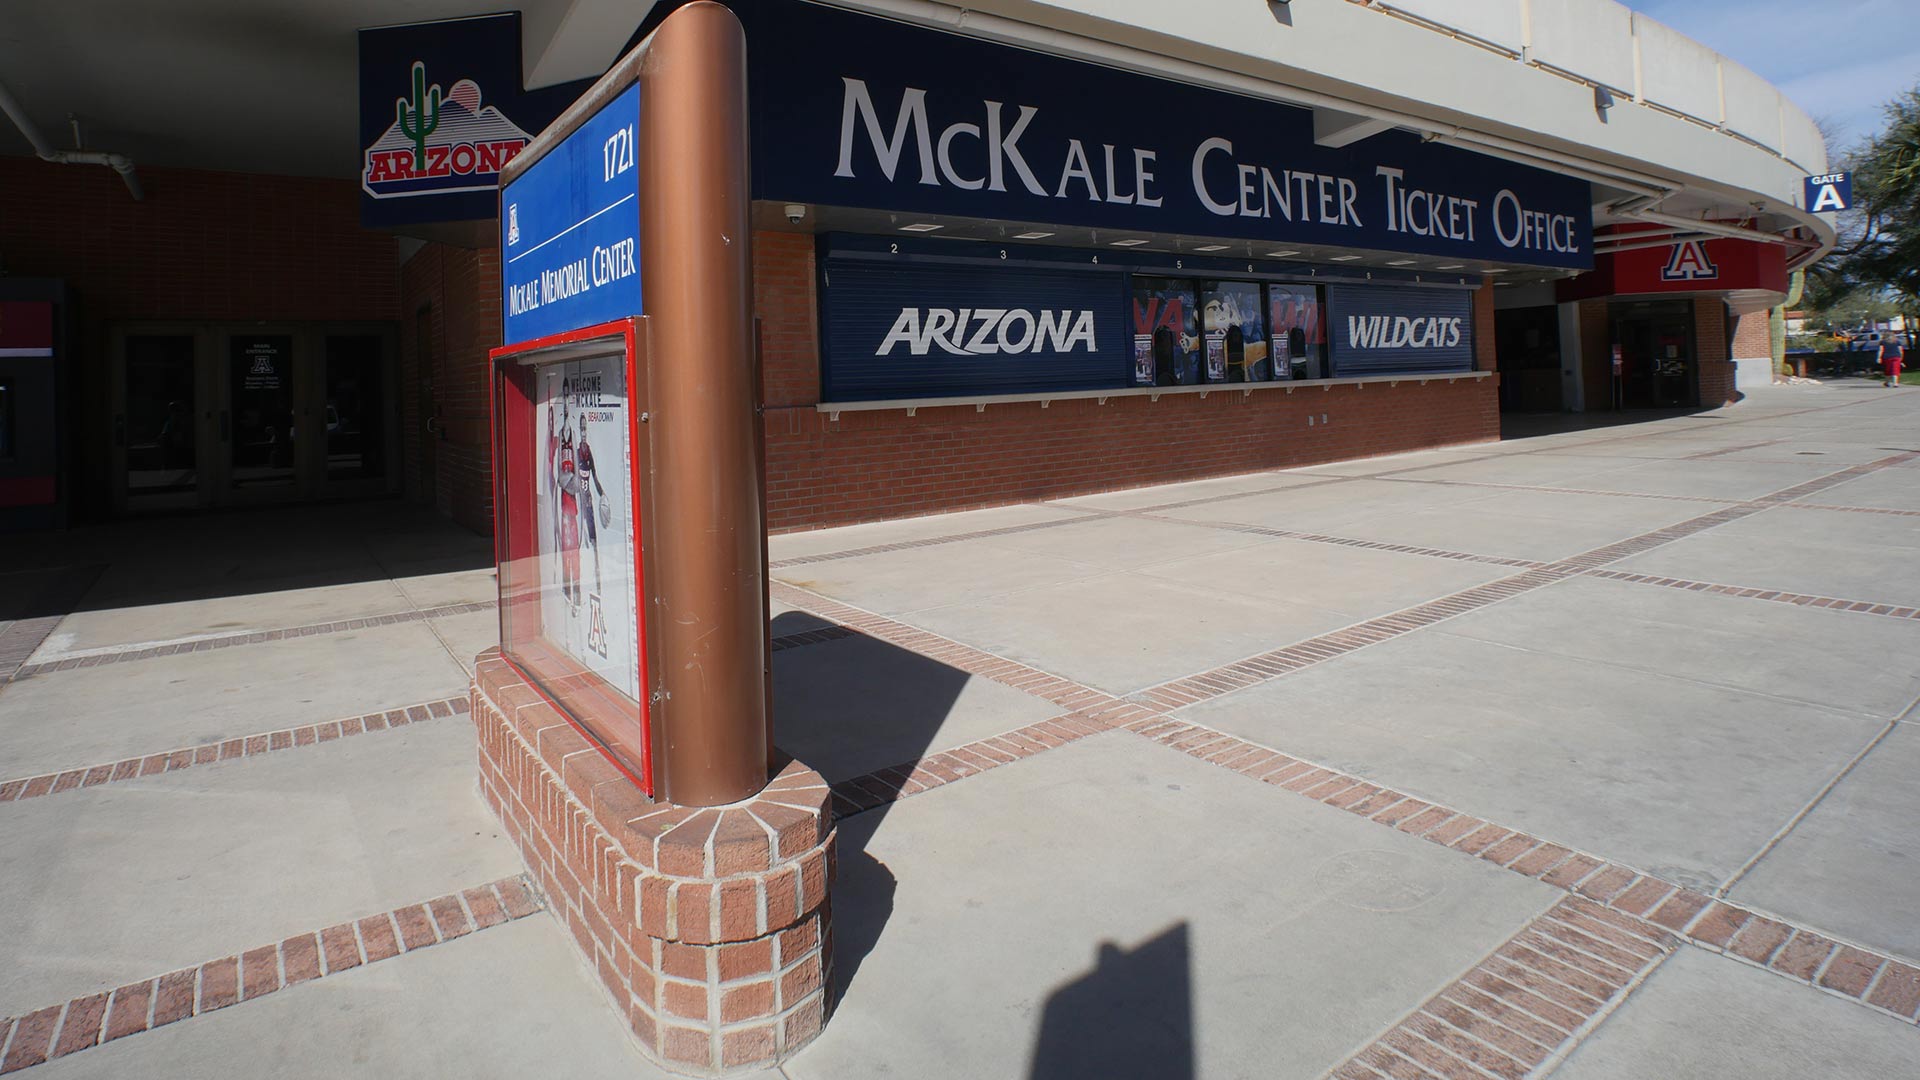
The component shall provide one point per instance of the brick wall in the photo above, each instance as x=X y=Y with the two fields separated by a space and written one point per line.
x=450 y=303
x=783 y=280
x=207 y=246
x=1712 y=347
x=872 y=465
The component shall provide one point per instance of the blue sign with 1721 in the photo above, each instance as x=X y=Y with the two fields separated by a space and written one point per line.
x=570 y=229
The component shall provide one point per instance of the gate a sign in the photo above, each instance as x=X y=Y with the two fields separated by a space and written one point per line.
x=1829 y=194
x=1688 y=262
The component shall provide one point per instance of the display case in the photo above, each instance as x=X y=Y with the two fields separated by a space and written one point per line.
x=571 y=484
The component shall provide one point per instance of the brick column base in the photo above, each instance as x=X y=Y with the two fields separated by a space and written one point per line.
x=709 y=927
x=1717 y=383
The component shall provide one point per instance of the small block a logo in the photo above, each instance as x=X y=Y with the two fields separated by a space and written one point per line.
x=1689 y=262
x=513 y=223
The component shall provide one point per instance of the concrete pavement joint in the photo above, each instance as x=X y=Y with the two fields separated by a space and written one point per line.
x=1086 y=512
x=1855 y=509
x=1550 y=490
x=124 y=654
x=1819 y=797
x=84 y=1022
x=244 y=746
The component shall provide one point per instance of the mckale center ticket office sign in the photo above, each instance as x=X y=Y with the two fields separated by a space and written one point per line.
x=851 y=110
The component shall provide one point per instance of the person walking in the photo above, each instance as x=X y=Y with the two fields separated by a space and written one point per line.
x=1892 y=356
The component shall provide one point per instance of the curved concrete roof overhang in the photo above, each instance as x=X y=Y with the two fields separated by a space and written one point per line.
x=1663 y=126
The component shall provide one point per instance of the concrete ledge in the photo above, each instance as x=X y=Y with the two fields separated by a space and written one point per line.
x=708 y=926
x=834 y=408
x=1751 y=371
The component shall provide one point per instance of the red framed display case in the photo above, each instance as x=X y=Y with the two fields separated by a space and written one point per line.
x=570 y=542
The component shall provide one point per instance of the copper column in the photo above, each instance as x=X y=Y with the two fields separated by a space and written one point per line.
x=711 y=711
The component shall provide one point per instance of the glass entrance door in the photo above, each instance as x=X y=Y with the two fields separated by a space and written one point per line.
x=161 y=412
x=357 y=403
x=1656 y=345
x=225 y=415
x=258 y=425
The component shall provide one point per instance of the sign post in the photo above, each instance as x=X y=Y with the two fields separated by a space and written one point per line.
x=632 y=581
x=625 y=721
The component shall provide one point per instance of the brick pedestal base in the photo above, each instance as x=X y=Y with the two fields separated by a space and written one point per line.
x=709 y=927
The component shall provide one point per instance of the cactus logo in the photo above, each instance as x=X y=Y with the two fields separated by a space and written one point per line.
x=440 y=142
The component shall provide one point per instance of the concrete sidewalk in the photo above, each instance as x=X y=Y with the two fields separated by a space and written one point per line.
x=1586 y=754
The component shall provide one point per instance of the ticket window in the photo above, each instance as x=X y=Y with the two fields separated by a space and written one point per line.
x=1166 y=333
x=1233 y=324
x=1297 y=318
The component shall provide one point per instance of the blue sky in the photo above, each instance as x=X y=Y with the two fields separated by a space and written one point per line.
x=1838 y=59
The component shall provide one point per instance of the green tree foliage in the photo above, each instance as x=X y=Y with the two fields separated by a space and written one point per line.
x=1879 y=246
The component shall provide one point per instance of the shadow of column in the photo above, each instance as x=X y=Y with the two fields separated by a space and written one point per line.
x=849 y=707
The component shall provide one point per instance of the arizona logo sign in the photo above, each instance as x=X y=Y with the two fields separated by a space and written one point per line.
x=1689 y=262
x=440 y=142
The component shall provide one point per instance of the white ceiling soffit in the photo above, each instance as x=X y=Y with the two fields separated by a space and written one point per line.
x=576 y=39
x=240 y=84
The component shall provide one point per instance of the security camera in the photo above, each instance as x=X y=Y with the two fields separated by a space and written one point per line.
x=795 y=212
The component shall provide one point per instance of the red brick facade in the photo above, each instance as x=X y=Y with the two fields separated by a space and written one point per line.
x=1710 y=345
x=201 y=246
x=450 y=313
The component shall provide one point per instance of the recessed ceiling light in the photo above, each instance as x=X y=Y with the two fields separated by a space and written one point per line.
x=1128 y=243
x=1344 y=258
x=1031 y=235
x=1401 y=262
x=923 y=227
x=1493 y=271
x=1211 y=247
x=1452 y=266
x=1280 y=254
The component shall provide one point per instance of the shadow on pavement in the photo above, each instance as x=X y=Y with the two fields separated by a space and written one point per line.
x=201 y=556
x=847 y=708
x=1130 y=1016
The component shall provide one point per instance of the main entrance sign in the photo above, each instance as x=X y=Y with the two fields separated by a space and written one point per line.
x=627 y=452
x=852 y=110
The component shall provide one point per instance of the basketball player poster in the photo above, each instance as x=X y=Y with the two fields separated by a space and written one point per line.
x=583 y=521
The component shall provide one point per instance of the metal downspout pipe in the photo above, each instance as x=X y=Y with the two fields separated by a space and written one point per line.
x=44 y=150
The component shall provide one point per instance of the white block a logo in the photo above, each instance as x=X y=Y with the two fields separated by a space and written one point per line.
x=1689 y=262
x=513 y=223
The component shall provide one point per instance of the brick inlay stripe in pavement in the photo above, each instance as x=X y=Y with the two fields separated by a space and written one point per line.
x=1535 y=995
x=83 y=1022
x=245 y=746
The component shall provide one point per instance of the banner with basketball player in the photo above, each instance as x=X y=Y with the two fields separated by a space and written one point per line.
x=583 y=519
